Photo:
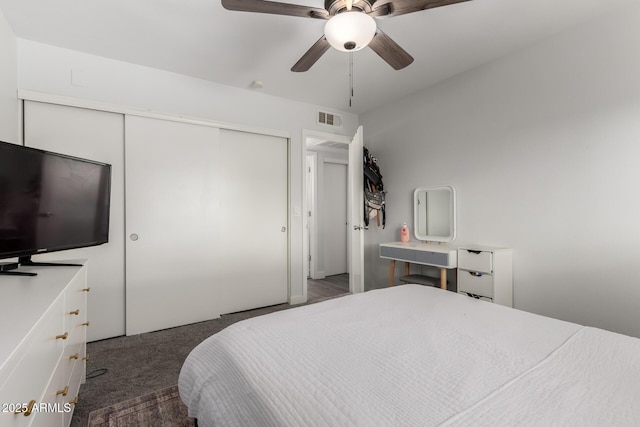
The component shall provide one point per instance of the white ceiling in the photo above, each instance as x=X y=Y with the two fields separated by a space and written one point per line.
x=199 y=38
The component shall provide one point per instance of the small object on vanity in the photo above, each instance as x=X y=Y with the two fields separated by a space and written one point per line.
x=404 y=233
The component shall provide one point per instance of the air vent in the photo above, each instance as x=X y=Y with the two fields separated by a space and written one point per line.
x=329 y=119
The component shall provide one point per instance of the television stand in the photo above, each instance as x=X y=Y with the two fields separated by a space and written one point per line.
x=6 y=269
x=26 y=261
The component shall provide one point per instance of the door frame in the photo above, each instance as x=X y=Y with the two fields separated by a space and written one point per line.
x=316 y=191
x=310 y=214
x=306 y=134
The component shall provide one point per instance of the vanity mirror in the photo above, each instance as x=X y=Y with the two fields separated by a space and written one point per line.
x=434 y=213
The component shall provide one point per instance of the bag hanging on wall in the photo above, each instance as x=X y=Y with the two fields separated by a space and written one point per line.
x=374 y=204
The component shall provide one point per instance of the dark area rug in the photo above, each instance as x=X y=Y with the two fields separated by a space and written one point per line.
x=162 y=408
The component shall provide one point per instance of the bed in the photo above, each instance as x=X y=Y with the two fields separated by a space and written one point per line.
x=411 y=356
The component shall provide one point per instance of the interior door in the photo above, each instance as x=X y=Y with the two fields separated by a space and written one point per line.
x=172 y=227
x=334 y=205
x=356 y=213
x=254 y=220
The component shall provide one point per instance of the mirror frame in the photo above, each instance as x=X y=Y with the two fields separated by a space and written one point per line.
x=452 y=214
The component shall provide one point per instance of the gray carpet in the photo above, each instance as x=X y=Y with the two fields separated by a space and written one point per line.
x=124 y=368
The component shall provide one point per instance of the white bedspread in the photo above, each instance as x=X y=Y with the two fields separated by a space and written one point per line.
x=411 y=356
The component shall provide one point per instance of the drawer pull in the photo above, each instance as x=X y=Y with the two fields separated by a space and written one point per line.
x=474 y=296
x=471 y=251
x=76 y=312
x=475 y=274
x=74 y=401
x=84 y=324
x=63 y=336
x=26 y=411
x=86 y=289
x=63 y=392
x=74 y=356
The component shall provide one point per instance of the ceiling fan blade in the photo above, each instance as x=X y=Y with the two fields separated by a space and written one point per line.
x=312 y=55
x=390 y=51
x=276 y=8
x=402 y=7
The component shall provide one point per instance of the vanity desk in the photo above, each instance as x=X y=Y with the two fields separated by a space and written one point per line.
x=434 y=225
x=443 y=256
x=483 y=272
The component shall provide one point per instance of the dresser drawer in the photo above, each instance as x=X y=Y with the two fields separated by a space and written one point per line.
x=401 y=254
x=77 y=375
x=432 y=258
x=475 y=283
x=75 y=302
x=75 y=325
x=74 y=352
x=474 y=260
x=33 y=371
x=52 y=403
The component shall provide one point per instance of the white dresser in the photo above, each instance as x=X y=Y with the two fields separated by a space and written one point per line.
x=42 y=345
x=486 y=273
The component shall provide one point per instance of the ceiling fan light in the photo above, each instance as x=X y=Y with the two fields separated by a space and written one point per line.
x=350 y=31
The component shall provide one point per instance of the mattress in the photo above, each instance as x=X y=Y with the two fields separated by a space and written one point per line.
x=411 y=356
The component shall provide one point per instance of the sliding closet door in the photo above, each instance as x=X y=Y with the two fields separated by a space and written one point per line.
x=254 y=232
x=96 y=135
x=173 y=223
x=206 y=222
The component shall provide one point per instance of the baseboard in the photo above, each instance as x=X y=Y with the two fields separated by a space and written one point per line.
x=297 y=299
x=320 y=275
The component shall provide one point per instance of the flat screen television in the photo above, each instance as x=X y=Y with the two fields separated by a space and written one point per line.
x=50 y=202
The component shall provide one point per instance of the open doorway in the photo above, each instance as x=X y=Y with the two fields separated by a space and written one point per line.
x=327 y=161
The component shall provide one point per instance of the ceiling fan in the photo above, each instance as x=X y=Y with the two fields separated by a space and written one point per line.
x=350 y=25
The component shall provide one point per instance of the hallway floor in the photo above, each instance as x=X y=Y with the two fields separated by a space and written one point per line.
x=327 y=287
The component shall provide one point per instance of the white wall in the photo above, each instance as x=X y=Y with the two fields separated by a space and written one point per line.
x=9 y=105
x=50 y=69
x=543 y=148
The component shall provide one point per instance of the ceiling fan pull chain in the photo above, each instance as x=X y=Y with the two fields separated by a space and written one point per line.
x=350 y=77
